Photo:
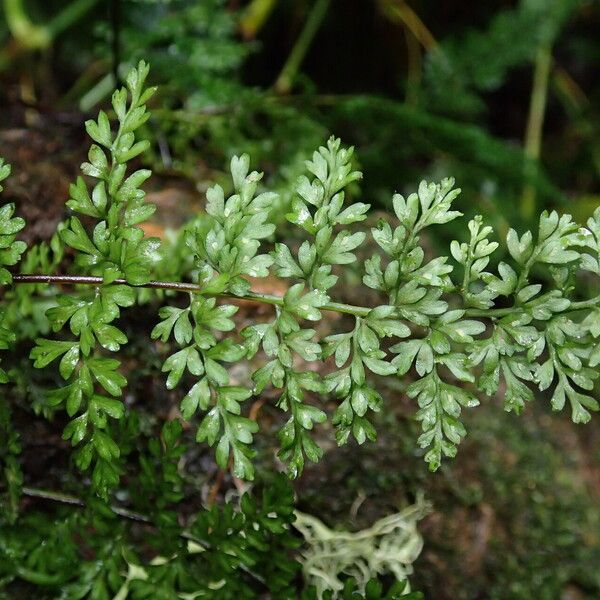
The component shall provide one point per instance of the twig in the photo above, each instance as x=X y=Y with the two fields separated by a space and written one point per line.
x=286 y=78
x=400 y=11
x=255 y=16
x=415 y=67
x=272 y=299
x=27 y=36
x=535 y=123
x=115 y=22
x=177 y=286
x=572 y=96
x=255 y=409
x=74 y=501
x=121 y=512
x=215 y=488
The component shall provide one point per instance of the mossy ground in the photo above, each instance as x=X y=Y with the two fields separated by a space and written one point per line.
x=515 y=516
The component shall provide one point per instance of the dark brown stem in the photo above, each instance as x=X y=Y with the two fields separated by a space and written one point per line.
x=177 y=286
x=90 y=280
x=194 y=288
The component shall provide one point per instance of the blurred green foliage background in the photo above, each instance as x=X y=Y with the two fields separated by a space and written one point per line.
x=502 y=95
